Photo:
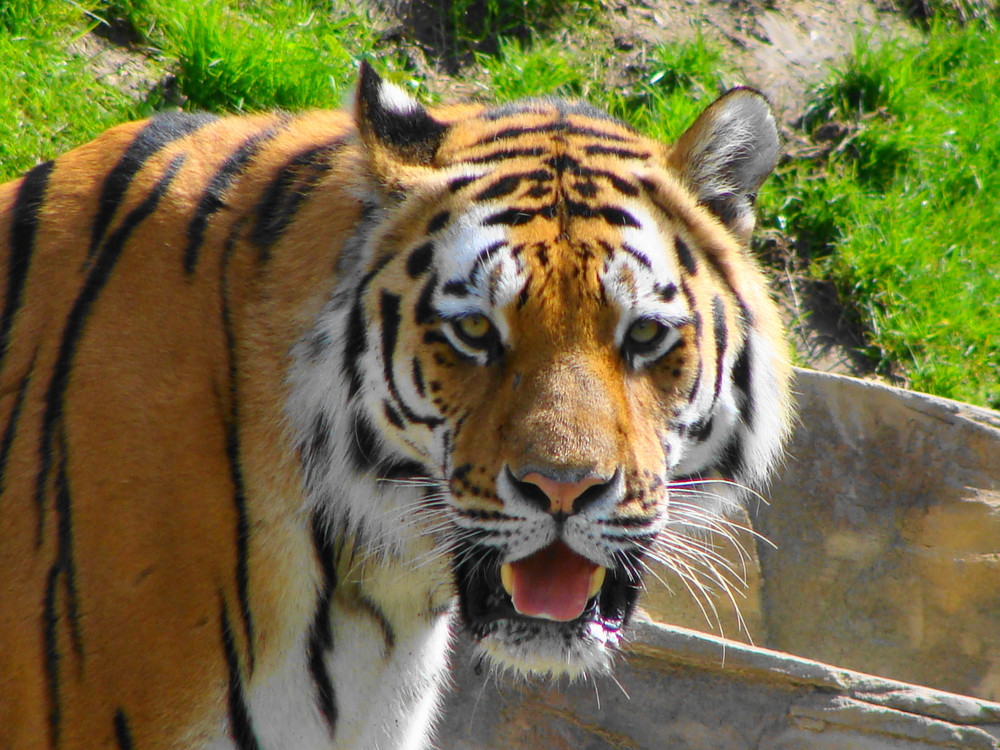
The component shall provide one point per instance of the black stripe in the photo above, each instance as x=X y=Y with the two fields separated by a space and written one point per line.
x=460 y=182
x=438 y=221
x=746 y=314
x=555 y=127
x=392 y=415
x=240 y=723
x=696 y=384
x=665 y=292
x=158 y=133
x=321 y=632
x=500 y=188
x=741 y=379
x=701 y=430
x=512 y=217
x=418 y=377
x=402 y=469
x=622 y=153
x=420 y=260
x=363 y=444
x=356 y=341
x=730 y=465
x=565 y=162
x=388 y=633
x=316 y=452
x=23 y=227
x=123 y=734
x=212 y=200
x=355 y=345
x=63 y=568
x=485 y=256
x=50 y=620
x=685 y=256
x=622 y=186
x=721 y=340
x=233 y=455
x=456 y=289
x=98 y=276
x=391 y=319
x=286 y=193
x=423 y=311
x=617 y=217
x=12 y=424
x=64 y=565
x=614 y=216
x=64 y=548
x=504 y=154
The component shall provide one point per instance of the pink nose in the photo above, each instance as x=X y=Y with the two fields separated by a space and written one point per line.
x=561 y=494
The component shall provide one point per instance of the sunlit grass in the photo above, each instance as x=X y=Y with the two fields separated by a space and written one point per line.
x=904 y=215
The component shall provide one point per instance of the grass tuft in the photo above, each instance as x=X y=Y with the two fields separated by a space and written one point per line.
x=902 y=215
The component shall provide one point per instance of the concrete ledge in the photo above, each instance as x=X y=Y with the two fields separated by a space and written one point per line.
x=684 y=690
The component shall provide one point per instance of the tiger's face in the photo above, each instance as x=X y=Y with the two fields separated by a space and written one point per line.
x=553 y=327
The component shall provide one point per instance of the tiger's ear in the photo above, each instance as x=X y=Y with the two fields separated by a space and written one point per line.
x=395 y=128
x=726 y=155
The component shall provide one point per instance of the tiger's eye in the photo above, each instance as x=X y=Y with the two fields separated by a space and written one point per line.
x=474 y=327
x=645 y=331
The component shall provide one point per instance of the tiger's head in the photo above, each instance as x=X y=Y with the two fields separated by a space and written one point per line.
x=546 y=325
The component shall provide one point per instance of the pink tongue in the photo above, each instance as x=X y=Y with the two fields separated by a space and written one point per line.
x=552 y=583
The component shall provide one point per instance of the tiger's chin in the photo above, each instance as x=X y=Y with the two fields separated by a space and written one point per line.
x=538 y=645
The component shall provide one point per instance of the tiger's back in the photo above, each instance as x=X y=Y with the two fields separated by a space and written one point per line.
x=116 y=490
x=233 y=398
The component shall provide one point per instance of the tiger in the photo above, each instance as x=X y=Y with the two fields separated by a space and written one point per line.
x=291 y=401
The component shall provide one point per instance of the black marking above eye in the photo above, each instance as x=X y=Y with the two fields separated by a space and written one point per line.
x=438 y=222
x=456 y=289
x=424 y=311
x=637 y=254
x=618 y=217
x=665 y=292
x=420 y=260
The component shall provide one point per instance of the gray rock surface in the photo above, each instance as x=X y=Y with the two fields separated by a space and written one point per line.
x=683 y=690
x=886 y=519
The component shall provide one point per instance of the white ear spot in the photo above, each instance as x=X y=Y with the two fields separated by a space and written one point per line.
x=395 y=100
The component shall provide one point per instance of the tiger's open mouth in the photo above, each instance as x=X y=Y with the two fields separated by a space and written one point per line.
x=555 y=591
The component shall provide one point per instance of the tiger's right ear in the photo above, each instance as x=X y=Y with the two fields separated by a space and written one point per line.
x=394 y=126
x=727 y=154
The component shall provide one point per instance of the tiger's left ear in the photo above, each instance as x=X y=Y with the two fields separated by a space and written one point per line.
x=726 y=155
x=396 y=129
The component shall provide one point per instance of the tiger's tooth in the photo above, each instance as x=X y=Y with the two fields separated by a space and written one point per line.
x=596 y=581
x=507 y=578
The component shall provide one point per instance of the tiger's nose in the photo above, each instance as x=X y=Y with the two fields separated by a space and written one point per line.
x=563 y=493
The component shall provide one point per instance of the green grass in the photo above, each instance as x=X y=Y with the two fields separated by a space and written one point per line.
x=901 y=215
x=49 y=100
